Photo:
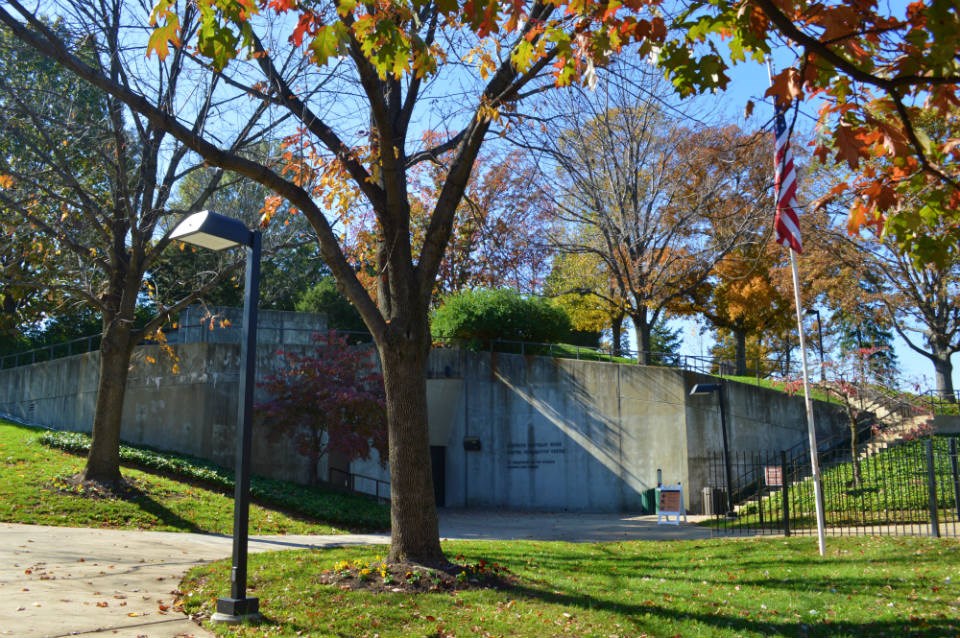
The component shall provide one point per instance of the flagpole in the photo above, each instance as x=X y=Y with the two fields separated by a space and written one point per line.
x=811 y=429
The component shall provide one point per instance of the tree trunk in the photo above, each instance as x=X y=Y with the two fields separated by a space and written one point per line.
x=943 y=369
x=616 y=329
x=854 y=457
x=103 y=461
x=414 y=529
x=740 y=337
x=642 y=327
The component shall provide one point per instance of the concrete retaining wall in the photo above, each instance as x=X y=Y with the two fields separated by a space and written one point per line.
x=542 y=433
x=559 y=434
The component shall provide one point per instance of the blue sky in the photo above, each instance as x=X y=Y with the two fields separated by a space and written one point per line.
x=749 y=82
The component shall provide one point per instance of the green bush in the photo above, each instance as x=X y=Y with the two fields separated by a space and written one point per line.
x=327 y=299
x=474 y=318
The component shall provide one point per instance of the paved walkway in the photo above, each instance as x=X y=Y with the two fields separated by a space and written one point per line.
x=58 y=581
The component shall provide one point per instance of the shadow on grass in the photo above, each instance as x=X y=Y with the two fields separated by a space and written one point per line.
x=689 y=614
x=654 y=619
x=165 y=515
x=125 y=490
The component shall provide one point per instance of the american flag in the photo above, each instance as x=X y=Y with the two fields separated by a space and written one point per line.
x=786 y=223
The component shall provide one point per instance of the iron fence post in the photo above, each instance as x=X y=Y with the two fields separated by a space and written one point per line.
x=785 y=492
x=956 y=475
x=932 y=490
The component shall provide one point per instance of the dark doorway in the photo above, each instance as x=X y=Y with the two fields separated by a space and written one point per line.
x=438 y=460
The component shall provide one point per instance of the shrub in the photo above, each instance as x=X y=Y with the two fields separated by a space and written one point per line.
x=329 y=399
x=325 y=298
x=474 y=318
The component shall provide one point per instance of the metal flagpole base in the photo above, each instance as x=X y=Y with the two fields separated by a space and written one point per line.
x=233 y=611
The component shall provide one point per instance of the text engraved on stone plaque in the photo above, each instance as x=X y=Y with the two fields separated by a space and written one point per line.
x=530 y=456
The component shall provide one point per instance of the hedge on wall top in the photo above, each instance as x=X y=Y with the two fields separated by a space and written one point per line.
x=474 y=318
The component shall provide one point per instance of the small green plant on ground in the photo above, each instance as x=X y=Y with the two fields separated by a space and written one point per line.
x=166 y=492
x=896 y=587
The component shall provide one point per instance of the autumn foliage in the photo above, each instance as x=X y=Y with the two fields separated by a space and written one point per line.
x=330 y=399
x=877 y=71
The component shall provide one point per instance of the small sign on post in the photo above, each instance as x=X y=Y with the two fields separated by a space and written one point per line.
x=773 y=475
x=670 y=505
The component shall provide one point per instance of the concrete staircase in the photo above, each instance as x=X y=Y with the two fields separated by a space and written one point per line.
x=886 y=419
x=896 y=419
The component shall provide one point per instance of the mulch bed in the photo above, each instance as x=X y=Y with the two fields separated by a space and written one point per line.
x=411 y=578
x=125 y=489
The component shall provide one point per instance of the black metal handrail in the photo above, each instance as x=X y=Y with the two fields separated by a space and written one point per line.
x=355 y=482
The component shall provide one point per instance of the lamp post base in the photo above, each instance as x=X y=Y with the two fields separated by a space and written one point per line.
x=233 y=611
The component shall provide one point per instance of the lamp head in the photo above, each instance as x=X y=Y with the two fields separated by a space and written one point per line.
x=212 y=230
x=700 y=389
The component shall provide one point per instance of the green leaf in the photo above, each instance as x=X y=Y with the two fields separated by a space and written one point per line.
x=522 y=56
x=328 y=42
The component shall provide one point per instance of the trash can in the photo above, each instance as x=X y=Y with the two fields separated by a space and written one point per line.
x=714 y=500
x=648 y=501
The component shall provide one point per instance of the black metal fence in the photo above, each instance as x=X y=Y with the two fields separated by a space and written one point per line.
x=912 y=488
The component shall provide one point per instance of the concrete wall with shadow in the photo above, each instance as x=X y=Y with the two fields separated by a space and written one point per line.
x=506 y=431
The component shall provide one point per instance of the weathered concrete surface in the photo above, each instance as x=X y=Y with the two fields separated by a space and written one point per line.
x=559 y=434
x=548 y=434
x=946 y=424
x=563 y=434
x=758 y=420
x=199 y=324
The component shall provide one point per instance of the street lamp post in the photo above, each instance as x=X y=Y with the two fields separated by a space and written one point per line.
x=217 y=232
x=701 y=389
x=823 y=370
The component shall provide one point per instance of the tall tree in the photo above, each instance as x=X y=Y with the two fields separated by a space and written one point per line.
x=579 y=284
x=881 y=67
x=84 y=194
x=745 y=300
x=500 y=229
x=499 y=232
x=357 y=81
x=869 y=333
x=924 y=303
x=881 y=284
x=657 y=201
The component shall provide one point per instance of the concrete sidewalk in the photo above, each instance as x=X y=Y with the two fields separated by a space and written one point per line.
x=58 y=581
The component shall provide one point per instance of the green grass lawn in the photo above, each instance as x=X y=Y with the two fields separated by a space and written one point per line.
x=893 y=490
x=893 y=587
x=727 y=588
x=35 y=489
x=780 y=386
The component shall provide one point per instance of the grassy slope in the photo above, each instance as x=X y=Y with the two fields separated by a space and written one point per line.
x=34 y=489
x=893 y=491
